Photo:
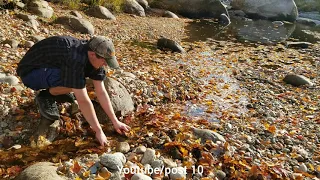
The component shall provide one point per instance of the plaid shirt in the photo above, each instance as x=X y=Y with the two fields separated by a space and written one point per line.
x=66 y=53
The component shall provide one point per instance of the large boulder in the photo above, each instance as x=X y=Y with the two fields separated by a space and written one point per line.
x=120 y=99
x=76 y=24
x=40 y=8
x=40 y=171
x=193 y=8
x=270 y=9
x=101 y=12
x=133 y=7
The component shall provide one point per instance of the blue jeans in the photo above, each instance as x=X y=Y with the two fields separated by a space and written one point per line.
x=43 y=78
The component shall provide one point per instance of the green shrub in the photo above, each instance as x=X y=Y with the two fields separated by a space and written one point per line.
x=71 y=4
x=114 y=5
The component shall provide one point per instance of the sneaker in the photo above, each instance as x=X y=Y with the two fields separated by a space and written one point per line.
x=65 y=98
x=47 y=106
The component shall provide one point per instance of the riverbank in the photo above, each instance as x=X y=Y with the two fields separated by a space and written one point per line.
x=269 y=128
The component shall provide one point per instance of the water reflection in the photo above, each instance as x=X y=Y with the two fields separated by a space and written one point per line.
x=245 y=30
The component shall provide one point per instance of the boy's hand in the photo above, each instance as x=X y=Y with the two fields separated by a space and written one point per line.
x=121 y=127
x=101 y=137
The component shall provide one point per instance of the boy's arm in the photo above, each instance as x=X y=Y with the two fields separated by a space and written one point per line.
x=89 y=113
x=105 y=103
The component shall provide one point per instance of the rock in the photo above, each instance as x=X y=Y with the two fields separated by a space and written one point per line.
x=164 y=43
x=120 y=99
x=140 y=176
x=168 y=163
x=192 y=8
x=115 y=176
x=121 y=156
x=220 y=174
x=303 y=167
x=112 y=161
x=2 y=75
x=157 y=164
x=149 y=156
x=278 y=23
x=34 y=24
x=206 y=134
x=76 y=14
x=224 y=19
x=12 y=42
x=140 y=149
x=40 y=8
x=170 y=14
x=238 y=13
x=297 y=80
x=144 y=4
x=28 y=44
x=101 y=12
x=133 y=7
x=76 y=24
x=11 y=80
x=123 y=147
x=178 y=173
x=271 y=9
x=40 y=171
x=46 y=133
x=263 y=31
x=298 y=44
x=26 y=17
x=36 y=38
x=308 y=22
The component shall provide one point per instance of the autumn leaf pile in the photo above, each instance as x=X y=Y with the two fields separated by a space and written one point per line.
x=271 y=128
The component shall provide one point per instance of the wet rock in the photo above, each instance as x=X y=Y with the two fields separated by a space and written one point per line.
x=133 y=7
x=101 y=12
x=40 y=171
x=220 y=174
x=170 y=14
x=178 y=173
x=206 y=134
x=141 y=149
x=11 y=80
x=12 y=42
x=278 y=23
x=224 y=19
x=297 y=80
x=140 y=176
x=40 y=8
x=76 y=24
x=123 y=147
x=149 y=156
x=298 y=44
x=308 y=22
x=111 y=161
x=164 y=43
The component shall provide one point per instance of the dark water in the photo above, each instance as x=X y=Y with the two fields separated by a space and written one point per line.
x=262 y=31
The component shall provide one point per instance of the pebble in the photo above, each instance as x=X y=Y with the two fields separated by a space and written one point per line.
x=178 y=173
x=220 y=174
x=303 y=167
x=123 y=147
x=149 y=156
x=140 y=176
x=141 y=149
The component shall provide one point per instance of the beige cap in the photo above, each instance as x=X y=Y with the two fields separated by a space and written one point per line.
x=104 y=47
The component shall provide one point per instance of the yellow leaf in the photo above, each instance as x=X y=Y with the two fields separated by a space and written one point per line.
x=105 y=174
x=86 y=174
x=77 y=178
x=98 y=177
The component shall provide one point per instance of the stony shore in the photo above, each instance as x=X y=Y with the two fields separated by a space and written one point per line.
x=260 y=127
